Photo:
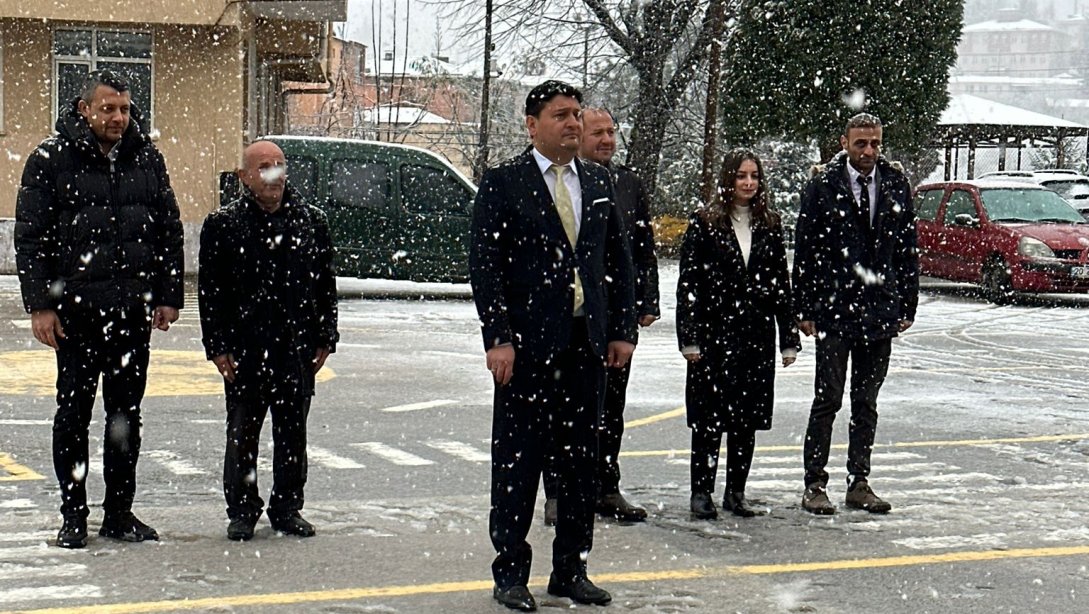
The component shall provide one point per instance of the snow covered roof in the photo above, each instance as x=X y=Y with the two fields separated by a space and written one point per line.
x=1020 y=81
x=965 y=109
x=401 y=114
x=1021 y=25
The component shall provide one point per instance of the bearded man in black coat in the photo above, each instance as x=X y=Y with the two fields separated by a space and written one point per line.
x=856 y=283
x=98 y=245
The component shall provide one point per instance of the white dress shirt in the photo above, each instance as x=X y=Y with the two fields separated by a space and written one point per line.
x=570 y=179
x=856 y=188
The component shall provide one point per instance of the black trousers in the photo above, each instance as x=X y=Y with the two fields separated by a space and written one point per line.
x=610 y=434
x=114 y=345
x=245 y=417
x=547 y=408
x=740 y=444
x=869 y=365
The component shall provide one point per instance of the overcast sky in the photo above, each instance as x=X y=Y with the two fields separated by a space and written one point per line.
x=367 y=17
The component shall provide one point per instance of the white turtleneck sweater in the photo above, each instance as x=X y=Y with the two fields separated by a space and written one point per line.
x=741 y=219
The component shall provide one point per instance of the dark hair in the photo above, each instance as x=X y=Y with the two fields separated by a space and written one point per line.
x=717 y=212
x=862 y=120
x=539 y=96
x=101 y=77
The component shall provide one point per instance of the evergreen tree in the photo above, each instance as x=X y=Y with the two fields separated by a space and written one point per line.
x=799 y=68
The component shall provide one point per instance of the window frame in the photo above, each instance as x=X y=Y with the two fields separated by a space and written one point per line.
x=93 y=59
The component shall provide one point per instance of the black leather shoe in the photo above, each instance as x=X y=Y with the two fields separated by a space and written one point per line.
x=580 y=589
x=127 y=528
x=73 y=533
x=293 y=525
x=241 y=529
x=516 y=598
x=616 y=506
x=702 y=507
x=551 y=512
x=736 y=504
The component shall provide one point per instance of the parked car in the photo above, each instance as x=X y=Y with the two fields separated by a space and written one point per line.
x=395 y=211
x=1007 y=236
x=1070 y=184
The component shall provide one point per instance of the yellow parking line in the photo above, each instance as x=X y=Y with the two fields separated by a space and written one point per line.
x=673 y=413
x=349 y=594
x=901 y=444
x=16 y=472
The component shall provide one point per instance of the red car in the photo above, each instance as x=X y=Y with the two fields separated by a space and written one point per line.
x=1005 y=236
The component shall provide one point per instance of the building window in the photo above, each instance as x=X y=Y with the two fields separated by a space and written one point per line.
x=126 y=53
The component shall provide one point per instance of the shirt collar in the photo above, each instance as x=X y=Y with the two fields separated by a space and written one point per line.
x=544 y=163
x=854 y=174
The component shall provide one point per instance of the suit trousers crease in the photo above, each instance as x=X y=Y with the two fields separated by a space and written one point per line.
x=548 y=408
x=869 y=360
x=290 y=408
x=115 y=345
x=610 y=435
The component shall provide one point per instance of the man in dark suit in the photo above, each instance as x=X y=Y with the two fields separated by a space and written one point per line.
x=552 y=280
x=599 y=145
x=856 y=280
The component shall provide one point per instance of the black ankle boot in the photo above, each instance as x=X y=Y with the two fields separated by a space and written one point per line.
x=736 y=504
x=702 y=507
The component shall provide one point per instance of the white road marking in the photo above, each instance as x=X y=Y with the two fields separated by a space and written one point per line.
x=326 y=458
x=18 y=504
x=75 y=591
x=393 y=455
x=981 y=541
x=18 y=422
x=174 y=463
x=459 y=449
x=38 y=551
x=21 y=323
x=26 y=536
x=208 y=421
x=13 y=571
x=418 y=406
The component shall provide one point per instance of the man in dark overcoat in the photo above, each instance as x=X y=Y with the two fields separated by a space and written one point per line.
x=552 y=280
x=856 y=283
x=268 y=314
x=99 y=249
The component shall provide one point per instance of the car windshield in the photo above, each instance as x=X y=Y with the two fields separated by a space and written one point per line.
x=1015 y=205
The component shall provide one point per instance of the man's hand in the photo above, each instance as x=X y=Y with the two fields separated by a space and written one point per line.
x=226 y=365
x=647 y=320
x=692 y=357
x=500 y=361
x=905 y=324
x=46 y=327
x=320 y=356
x=809 y=327
x=619 y=354
x=789 y=360
x=164 y=316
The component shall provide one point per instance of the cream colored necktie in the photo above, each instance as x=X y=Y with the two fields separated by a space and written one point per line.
x=567 y=216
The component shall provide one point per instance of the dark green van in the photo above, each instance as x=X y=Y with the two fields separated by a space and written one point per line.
x=395 y=211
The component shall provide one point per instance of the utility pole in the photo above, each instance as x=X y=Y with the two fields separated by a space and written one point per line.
x=482 y=147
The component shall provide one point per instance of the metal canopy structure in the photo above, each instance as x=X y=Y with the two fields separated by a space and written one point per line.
x=972 y=122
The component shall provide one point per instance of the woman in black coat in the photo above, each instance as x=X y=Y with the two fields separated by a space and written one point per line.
x=733 y=291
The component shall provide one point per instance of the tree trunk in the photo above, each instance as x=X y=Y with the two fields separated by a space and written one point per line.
x=648 y=134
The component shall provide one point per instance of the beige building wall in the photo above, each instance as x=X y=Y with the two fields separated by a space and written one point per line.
x=127 y=11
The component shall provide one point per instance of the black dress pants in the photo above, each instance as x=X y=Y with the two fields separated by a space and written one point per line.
x=114 y=345
x=740 y=445
x=869 y=365
x=547 y=408
x=289 y=406
x=610 y=434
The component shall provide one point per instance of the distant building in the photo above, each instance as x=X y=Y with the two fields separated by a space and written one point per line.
x=208 y=74
x=1015 y=47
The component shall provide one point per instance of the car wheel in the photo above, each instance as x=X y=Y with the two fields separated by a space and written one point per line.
x=997 y=286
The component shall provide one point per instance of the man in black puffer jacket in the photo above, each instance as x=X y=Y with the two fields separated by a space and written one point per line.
x=98 y=245
x=268 y=314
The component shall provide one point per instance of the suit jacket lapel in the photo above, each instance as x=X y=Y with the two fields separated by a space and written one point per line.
x=542 y=198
